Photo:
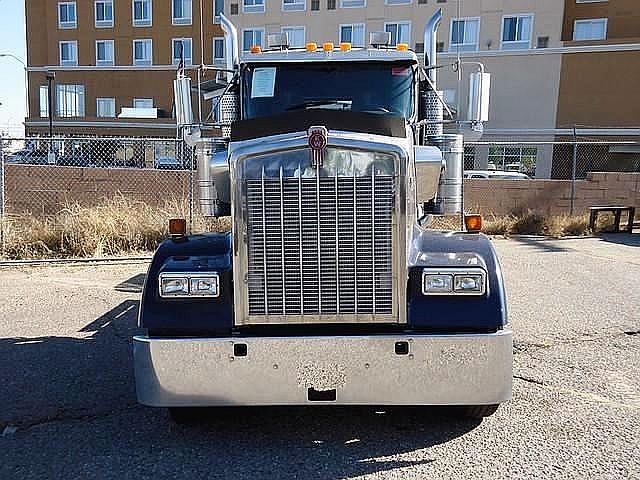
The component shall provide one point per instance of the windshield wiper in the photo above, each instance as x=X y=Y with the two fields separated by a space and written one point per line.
x=319 y=103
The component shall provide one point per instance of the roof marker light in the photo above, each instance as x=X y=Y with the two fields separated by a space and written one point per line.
x=327 y=47
x=311 y=46
x=402 y=47
x=256 y=49
x=345 y=46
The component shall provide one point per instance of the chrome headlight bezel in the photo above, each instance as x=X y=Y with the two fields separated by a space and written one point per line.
x=455 y=273
x=189 y=277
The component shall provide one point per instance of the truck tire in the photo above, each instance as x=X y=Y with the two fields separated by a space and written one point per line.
x=183 y=415
x=479 y=411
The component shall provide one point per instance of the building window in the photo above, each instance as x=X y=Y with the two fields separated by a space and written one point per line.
x=106 y=107
x=513 y=159
x=252 y=6
x=352 y=33
x=293 y=5
x=295 y=35
x=67 y=15
x=181 y=48
x=104 y=13
x=70 y=100
x=331 y=4
x=142 y=52
x=591 y=29
x=516 y=32
x=142 y=13
x=143 y=103
x=349 y=4
x=181 y=12
x=315 y=5
x=104 y=52
x=218 y=8
x=464 y=34
x=251 y=37
x=397 y=2
x=69 y=54
x=218 y=51
x=419 y=47
x=400 y=32
x=234 y=9
x=543 y=42
x=44 y=101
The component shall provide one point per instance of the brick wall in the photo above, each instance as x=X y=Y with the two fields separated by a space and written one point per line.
x=46 y=189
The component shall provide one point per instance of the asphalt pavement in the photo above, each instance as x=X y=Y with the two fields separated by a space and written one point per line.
x=68 y=408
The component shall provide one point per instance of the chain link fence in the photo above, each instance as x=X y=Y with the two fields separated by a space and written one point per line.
x=90 y=195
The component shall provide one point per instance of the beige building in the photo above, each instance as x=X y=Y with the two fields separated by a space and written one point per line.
x=554 y=64
x=539 y=52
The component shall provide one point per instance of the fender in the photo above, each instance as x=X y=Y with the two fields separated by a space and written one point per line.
x=454 y=313
x=190 y=316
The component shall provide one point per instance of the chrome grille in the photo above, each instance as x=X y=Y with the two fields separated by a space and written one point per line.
x=320 y=245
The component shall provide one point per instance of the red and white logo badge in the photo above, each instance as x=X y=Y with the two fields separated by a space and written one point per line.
x=317 y=144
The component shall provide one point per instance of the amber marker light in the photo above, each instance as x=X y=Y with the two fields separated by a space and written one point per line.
x=311 y=46
x=327 y=47
x=473 y=223
x=177 y=227
x=256 y=49
x=345 y=46
x=402 y=47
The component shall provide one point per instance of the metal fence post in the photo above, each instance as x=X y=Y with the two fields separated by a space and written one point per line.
x=573 y=170
x=2 y=200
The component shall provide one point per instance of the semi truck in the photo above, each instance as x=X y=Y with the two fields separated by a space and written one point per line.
x=330 y=288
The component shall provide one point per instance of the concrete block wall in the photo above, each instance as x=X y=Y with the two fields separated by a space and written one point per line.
x=43 y=189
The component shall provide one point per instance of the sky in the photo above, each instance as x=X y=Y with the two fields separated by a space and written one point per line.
x=12 y=81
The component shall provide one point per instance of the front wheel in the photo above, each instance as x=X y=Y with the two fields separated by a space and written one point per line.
x=183 y=415
x=479 y=411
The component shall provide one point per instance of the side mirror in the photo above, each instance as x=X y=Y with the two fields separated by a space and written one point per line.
x=182 y=98
x=479 y=91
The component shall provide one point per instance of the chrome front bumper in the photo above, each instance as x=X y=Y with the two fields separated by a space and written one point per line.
x=464 y=369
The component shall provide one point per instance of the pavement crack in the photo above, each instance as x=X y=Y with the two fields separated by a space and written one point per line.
x=529 y=380
x=64 y=416
x=633 y=333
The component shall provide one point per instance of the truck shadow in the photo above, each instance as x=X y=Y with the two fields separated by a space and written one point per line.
x=86 y=387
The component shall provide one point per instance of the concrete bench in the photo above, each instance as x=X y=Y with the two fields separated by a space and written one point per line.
x=617 y=211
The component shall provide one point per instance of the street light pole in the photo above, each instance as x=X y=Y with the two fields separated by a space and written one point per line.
x=50 y=77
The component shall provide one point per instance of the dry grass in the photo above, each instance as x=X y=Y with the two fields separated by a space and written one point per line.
x=532 y=223
x=118 y=226
x=121 y=226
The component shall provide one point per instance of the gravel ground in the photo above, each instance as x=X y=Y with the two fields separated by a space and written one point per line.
x=67 y=387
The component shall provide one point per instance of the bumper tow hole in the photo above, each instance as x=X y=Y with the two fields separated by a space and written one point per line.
x=239 y=349
x=314 y=395
x=402 y=348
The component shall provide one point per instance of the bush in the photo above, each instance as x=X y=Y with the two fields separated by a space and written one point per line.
x=531 y=223
x=118 y=226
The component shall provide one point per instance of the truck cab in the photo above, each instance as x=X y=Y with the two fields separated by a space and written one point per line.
x=329 y=287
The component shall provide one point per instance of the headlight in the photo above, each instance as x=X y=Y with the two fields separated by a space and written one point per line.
x=469 y=283
x=435 y=283
x=453 y=281
x=189 y=284
x=174 y=286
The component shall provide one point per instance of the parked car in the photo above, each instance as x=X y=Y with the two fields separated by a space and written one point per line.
x=495 y=174
x=168 y=163
x=33 y=157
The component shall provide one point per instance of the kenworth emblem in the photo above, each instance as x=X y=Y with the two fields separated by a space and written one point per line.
x=317 y=144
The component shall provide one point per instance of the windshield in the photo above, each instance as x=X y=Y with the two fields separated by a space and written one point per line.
x=384 y=88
